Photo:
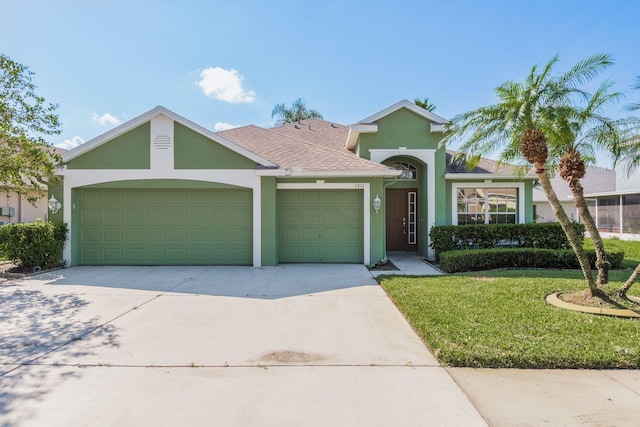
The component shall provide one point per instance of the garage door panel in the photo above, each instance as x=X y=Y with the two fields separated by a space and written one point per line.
x=91 y=216
x=113 y=255
x=320 y=226
x=163 y=227
x=134 y=216
x=112 y=235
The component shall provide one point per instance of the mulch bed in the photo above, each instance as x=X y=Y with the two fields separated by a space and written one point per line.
x=9 y=270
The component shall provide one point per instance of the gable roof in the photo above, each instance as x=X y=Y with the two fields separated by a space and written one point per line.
x=311 y=147
x=411 y=106
x=369 y=125
x=146 y=117
x=596 y=180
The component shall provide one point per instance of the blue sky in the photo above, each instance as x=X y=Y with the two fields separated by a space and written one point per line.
x=214 y=62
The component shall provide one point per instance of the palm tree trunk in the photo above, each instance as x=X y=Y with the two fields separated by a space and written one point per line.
x=602 y=264
x=565 y=222
x=630 y=281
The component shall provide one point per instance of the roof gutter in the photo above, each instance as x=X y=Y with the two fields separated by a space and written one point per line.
x=476 y=176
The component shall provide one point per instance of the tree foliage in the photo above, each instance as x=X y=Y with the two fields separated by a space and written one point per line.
x=296 y=112
x=532 y=122
x=425 y=103
x=27 y=162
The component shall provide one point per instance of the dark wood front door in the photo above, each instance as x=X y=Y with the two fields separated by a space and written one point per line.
x=402 y=219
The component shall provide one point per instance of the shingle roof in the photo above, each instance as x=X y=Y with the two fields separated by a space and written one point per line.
x=312 y=145
x=596 y=180
x=485 y=166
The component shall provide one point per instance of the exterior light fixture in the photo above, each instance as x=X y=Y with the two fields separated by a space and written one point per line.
x=377 y=204
x=54 y=205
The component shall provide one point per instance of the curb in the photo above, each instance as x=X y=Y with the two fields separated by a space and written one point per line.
x=554 y=300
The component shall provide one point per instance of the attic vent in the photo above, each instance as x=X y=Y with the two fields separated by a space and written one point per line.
x=162 y=142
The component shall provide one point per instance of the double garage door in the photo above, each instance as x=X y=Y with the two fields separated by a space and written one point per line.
x=214 y=227
x=164 y=227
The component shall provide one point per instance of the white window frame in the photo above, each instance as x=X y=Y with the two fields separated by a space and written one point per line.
x=520 y=215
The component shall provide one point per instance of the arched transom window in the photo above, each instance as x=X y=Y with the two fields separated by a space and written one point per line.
x=408 y=170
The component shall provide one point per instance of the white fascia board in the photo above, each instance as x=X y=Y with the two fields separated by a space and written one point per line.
x=345 y=174
x=143 y=118
x=437 y=127
x=478 y=176
x=111 y=134
x=271 y=172
x=356 y=130
x=408 y=105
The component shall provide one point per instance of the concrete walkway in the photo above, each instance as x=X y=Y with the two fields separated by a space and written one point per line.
x=408 y=264
x=313 y=345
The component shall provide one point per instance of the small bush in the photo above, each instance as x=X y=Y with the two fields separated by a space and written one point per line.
x=34 y=244
x=531 y=235
x=487 y=259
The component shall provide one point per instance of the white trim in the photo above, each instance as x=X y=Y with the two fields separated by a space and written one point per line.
x=257 y=222
x=476 y=176
x=82 y=177
x=411 y=106
x=366 y=195
x=457 y=185
x=437 y=127
x=356 y=130
x=428 y=157
x=145 y=117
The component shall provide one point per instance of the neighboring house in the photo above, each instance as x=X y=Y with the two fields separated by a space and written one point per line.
x=596 y=180
x=161 y=189
x=617 y=211
x=16 y=208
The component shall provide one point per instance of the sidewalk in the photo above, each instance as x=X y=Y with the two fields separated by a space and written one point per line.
x=552 y=397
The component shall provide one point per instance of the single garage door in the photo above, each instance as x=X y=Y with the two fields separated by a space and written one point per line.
x=320 y=226
x=164 y=227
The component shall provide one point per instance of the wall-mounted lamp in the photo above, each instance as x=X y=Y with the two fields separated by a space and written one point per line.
x=377 y=204
x=54 y=205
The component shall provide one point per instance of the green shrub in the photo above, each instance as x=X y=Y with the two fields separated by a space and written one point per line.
x=34 y=244
x=484 y=236
x=486 y=259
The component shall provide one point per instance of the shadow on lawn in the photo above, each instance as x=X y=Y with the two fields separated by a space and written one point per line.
x=33 y=324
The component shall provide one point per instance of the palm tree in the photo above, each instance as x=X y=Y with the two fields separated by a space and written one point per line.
x=298 y=111
x=581 y=130
x=522 y=122
x=424 y=103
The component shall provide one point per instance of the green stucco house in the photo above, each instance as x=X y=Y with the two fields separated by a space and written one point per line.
x=162 y=190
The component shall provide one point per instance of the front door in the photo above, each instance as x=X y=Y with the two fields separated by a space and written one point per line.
x=402 y=217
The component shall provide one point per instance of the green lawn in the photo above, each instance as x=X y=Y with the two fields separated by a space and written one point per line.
x=631 y=250
x=499 y=319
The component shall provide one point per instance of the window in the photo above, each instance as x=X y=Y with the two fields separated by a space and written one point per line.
x=631 y=213
x=408 y=170
x=609 y=214
x=487 y=205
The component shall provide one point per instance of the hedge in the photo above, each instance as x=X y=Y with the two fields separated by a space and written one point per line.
x=484 y=236
x=33 y=244
x=485 y=259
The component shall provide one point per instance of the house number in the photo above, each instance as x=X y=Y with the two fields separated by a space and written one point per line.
x=358 y=186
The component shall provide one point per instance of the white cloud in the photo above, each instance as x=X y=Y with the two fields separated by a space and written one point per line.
x=106 y=119
x=220 y=126
x=68 y=144
x=225 y=85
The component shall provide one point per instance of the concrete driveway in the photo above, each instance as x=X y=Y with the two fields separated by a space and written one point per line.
x=311 y=345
